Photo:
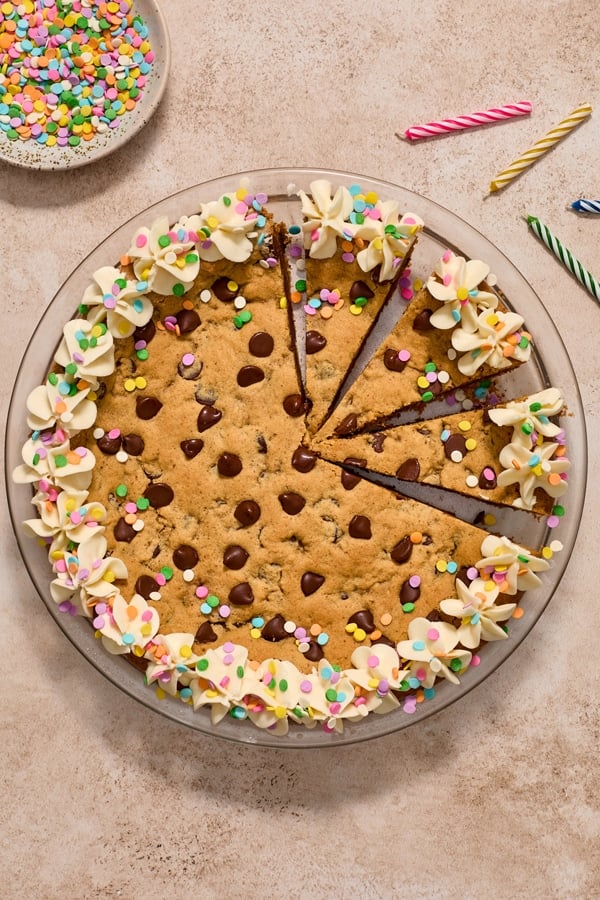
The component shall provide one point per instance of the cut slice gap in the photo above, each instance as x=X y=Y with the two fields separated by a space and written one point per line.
x=417 y=362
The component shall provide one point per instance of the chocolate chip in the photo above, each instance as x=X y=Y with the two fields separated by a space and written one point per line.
x=360 y=527
x=145 y=332
x=185 y=557
x=133 y=444
x=392 y=361
x=247 y=512
x=192 y=447
x=361 y=289
x=363 y=619
x=377 y=442
x=147 y=407
x=159 y=494
x=146 y=585
x=250 y=375
x=311 y=582
x=456 y=443
x=422 y=321
x=188 y=320
x=234 y=557
x=408 y=593
x=315 y=341
x=261 y=444
x=487 y=479
x=123 y=531
x=222 y=290
x=292 y=503
x=190 y=372
x=205 y=634
x=402 y=551
x=109 y=445
x=261 y=344
x=409 y=470
x=229 y=465
x=273 y=630
x=348 y=424
x=349 y=481
x=207 y=417
x=241 y=594
x=303 y=460
x=315 y=652
x=294 y=405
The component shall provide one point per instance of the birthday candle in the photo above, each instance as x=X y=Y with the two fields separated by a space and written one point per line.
x=565 y=256
x=592 y=206
x=540 y=147
x=474 y=120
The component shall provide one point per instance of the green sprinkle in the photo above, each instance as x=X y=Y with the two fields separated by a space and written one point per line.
x=53 y=378
x=524 y=343
x=36 y=459
x=283 y=685
x=408 y=607
x=427 y=396
x=93 y=341
x=226 y=200
x=178 y=289
x=331 y=694
x=74 y=140
x=535 y=407
x=300 y=285
x=240 y=671
x=238 y=712
x=142 y=354
x=558 y=510
x=191 y=258
x=164 y=240
x=430 y=367
x=71 y=369
x=246 y=315
x=142 y=503
x=455 y=665
x=202 y=665
x=60 y=461
x=212 y=601
x=167 y=571
x=361 y=301
x=121 y=490
x=238 y=322
x=84 y=344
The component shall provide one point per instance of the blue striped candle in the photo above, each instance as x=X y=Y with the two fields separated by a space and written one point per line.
x=586 y=206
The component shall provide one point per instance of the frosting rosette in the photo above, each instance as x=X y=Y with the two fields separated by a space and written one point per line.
x=166 y=257
x=86 y=351
x=497 y=340
x=389 y=239
x=120 y=301
x=327 y=218
x=530 y=417
x=223 y=226
x=60 y=403
x=476 y=608
x=85 y=574
x=533 y=469
x=56 y=463
x=431 y=651
x=125 y=627
x=510 y=566
x=170 y=656
x=64 y=517
x=456 y=283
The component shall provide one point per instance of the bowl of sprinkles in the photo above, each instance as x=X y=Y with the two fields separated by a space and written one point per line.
x=78 y=78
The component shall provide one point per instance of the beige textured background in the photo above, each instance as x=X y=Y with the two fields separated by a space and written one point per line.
x=498 y=795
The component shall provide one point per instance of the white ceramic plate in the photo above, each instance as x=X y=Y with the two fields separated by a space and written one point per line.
x=31 y=155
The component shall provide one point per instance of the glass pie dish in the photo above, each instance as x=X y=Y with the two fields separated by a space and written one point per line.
x=549 y=365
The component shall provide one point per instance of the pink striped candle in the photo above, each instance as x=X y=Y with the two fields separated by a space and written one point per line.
x=449 y=126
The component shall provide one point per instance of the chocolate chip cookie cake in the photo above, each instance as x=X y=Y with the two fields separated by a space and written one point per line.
x=209 y=490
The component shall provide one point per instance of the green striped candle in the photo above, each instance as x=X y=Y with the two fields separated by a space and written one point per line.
x=565 y=256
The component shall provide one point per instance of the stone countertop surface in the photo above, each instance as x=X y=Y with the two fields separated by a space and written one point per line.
x=496 y=796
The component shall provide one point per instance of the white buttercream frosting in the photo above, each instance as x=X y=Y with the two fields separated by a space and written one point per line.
x=57 y=463
x=457 y=284
x=390 y=238
x=476 y=607
x=223 y=227
x=327 y=218
x=533 y=469
x=125 y=627
x=54 y=404
x=431 y=650
x=88 y=349
x=65 y=517
x=531 y=416
x=166 y=256
x=85 y=574
x=118 y=300
x=512 y=567
x=497 y=341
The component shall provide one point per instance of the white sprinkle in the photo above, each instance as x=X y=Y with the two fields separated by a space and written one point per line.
x=460 y=395
x=289 y=626
x=471 y=481
x=467 y=404
x=556 y=546
x=98 y=433
x=188 y=575
x=456 y=456
x=205 y=296
x=239 y=302
x=263 y=263
x=443 y=377
x=452 y=353
x=121 y=456
x=138 y=525
x=154 y=595
x=170 y=257
x=303 y=647
x=301 y=264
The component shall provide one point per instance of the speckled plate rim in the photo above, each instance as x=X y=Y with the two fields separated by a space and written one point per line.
x=554 y=367
x=30 y=155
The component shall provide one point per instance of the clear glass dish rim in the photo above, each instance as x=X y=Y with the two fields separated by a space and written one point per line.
x=439 y=222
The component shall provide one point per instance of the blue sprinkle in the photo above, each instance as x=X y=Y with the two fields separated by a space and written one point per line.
x=452 y=567
x=138 y=305
x=429 y=693
x=322 y=639
x=326 y=672
x=206 y=609
x=414 y=683
x=355 y=189
x=418 y=645
x=185 y=693
x=128 y=638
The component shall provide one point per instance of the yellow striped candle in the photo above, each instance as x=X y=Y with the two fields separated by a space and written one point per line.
x=565 y=256
x=540 y=147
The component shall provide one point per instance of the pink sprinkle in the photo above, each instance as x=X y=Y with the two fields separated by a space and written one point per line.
x=262 y=198
x=228 y=647
x=334 y=708
x=147 y=615
x=447 y=279
x=202 y=592
x=101 y=608
x=404 y=355
x=300 y=633
x=407 y=293
x=228 y=659
x=433 y=634
x=141 y=240
x=373 y=661
x=552 y=521
x=241 y=208
x=314 y=235
x=187 y=359
x=60 y=565
x=98 y=622
x=130 y=508
x=81 y=452
x=114 y=433
x=472 y=573
x=76 y=517
x=421 y=674
x=414 y=581
x=224 y=681
x=160 y=579
x=78 y=357
x=360 y=701
x=309 y=310
x=447 y=256
x=348 y=257
x=475 y=660
x=431 y=377
x=305 y=686
x=140 y=345
x=224 y=611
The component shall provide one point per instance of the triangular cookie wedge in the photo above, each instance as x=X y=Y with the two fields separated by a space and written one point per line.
x=356 y=247
x=513 y=454
x=455 y=332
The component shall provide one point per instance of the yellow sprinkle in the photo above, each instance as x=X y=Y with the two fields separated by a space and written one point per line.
x=129 y=384
x=422 y=382
x=140 y=382
x=359 y=635
x=280 y=712
x=123 y=327
x=371 y=197
x=185 y=651
x=356 y=310
x=180 y=263
x=470 y=443
x=210 y=693
x=255 y=633
x=70 y=505
x=465 y=425
x=108 y=576
x=282 y=303
x=160 y=694
x=489 y=585
x=241 y=193
x=547 y=553
x=462 y=293
x=137 y=651
x=441 y=565
x=96 y=331
x=232 y=286
x=373 y=683
x=489 y=519
x=351 y=627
